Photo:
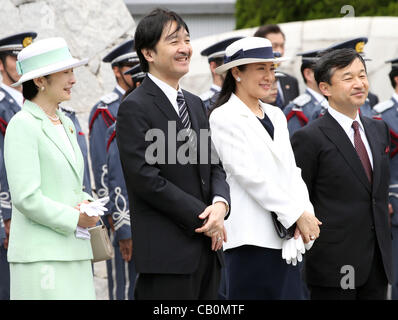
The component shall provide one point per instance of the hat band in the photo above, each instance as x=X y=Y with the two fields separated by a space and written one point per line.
x=256 y=53
x=43 y=60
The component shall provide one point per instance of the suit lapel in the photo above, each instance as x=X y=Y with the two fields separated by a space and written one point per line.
x=162 y=102
x=259 y=131
x=337 y=135
x=50 y=131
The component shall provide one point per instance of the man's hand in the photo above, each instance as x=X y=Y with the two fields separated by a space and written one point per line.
x=126 y=249
x=308 y=225
x=7 y=224
x=110 y=221
x=213 y=217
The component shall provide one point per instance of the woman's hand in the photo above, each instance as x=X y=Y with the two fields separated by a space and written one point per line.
x=86 y=221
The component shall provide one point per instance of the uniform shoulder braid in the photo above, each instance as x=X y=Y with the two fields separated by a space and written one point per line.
x=302 y=100
x=109 y=98
x=383 y=106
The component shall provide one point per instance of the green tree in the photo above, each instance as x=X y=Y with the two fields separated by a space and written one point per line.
x=252 y=13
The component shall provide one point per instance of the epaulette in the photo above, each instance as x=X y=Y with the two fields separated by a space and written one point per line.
x=383 y=106
x=2 y=95
x=207 y=95
x=302 y=100
x=67 y=109
x=109 y=98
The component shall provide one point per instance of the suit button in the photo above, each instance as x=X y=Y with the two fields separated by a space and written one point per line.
x=203 y=182
x=372 y=227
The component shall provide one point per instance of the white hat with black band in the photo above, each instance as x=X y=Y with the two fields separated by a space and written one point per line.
x=248 y=50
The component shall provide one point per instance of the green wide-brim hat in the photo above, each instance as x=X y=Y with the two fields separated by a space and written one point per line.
x=45 y=57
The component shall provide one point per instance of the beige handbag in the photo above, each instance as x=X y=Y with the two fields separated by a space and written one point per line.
x=100 y=243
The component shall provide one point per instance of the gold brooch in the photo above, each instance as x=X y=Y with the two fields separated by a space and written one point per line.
x=359 y=46
x=27 y=41
x=71 y=130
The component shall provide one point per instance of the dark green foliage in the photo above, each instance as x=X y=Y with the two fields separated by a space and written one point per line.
x=252 y=13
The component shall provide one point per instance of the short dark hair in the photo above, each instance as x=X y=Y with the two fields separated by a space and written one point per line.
x=150 y=29
x=334 y=60
x=263 y=31
x=393 y=73
x=29 y=89
x=217 y=61
x=306 y=65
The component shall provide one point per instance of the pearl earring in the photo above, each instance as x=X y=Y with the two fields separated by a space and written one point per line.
x=238 y=79
x=42 y=88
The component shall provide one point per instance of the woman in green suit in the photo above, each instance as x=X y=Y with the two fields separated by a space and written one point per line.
x=44 y=165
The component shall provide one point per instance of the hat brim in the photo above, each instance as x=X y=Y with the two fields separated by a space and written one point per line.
x=53 y=68
x=226 y=66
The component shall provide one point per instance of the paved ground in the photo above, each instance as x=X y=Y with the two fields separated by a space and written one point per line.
x=101 y=282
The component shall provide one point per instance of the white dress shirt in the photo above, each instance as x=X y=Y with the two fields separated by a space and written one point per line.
x=18 y=97
x=168 y=90
x=171 y=94
x=346 y=123
x=395 y=96
x=318 y=97
x=120 y=89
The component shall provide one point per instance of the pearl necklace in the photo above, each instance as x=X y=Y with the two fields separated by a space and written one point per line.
x=56 y=118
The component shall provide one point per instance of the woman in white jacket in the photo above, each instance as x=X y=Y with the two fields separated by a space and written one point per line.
x=252 y=141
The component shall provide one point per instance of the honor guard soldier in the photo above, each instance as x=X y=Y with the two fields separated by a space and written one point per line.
x=118 y=208
x=300 y=111
x=388 y=111
x=215 y=57
x=102 y=116
x=288 y=88
x=81 y=140
x=358 y=45
x=11 y=101
x=137 y=75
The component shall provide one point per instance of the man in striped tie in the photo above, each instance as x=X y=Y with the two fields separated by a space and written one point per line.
x=344 y=159
x=177 y=207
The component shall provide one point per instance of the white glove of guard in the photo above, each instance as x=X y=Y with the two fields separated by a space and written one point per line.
x=95 y=208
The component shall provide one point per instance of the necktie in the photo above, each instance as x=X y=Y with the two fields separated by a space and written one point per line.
x=361 y=151
x=184 y=115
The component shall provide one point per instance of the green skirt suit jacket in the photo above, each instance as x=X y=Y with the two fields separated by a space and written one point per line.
x=47 y=261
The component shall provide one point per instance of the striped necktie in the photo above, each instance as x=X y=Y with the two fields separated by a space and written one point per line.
x=184 y=115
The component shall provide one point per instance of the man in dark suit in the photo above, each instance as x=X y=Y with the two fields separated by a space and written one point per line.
x=288 y=88
x=344 y=160
x=177 y=207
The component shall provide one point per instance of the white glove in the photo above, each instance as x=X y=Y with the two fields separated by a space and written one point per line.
x=308 y=245
x=289 y=251
x=294 y=249
x=95 y=208
x=300 y=247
